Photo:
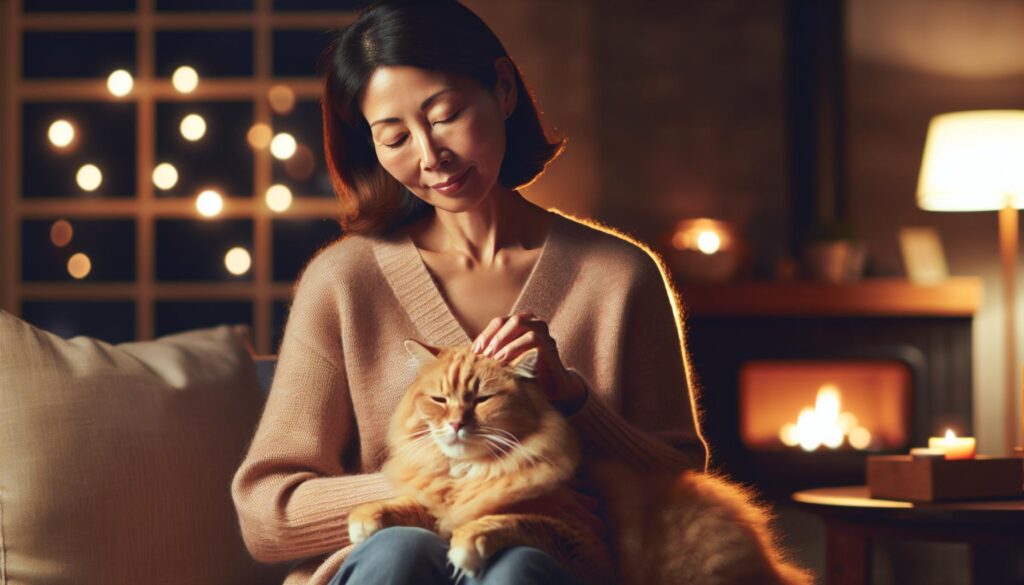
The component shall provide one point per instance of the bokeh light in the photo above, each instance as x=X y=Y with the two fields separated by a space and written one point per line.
x=259 y=135
x=237 y=261
x=302 y=164
x=120 y=83
x=185 y=79
x=209 y=203
x=89 y=177
x=61 y=133
x=282 y=99
x=165 y=176
x=193 y=127
x=79 y=265
x=61 y=233
x=279 y=198
x=283 y=146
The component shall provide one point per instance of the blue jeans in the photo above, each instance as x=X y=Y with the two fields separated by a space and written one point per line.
x=403 y=555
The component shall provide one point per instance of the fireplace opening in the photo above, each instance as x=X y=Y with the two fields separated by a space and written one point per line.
x=815 y=406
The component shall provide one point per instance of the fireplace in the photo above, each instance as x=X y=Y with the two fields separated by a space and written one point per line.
x=800 y=382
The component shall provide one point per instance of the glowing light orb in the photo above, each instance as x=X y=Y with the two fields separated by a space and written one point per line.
x=165 y=176
x=120 y=83
x=709 y=242
x=279 y=198
x=259 y=135
x=283 y=146
x=185 y=79
x=89 y=177
x=209 y=203
x=281 y=98
x=79 y=266
x=237 y=261
x=193 y=127
x=860 y=438
x=61 y=233
x=61 y=133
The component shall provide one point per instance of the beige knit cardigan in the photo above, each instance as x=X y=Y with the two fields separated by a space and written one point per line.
x=342 y=369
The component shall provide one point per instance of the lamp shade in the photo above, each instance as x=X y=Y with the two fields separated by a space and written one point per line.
x=973 y=161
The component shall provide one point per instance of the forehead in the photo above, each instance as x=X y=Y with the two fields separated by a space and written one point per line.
x=393 y=89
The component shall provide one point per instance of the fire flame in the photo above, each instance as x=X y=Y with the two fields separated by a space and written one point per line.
x=825 y=424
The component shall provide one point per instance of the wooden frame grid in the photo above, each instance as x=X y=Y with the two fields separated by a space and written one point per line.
x=145 y=208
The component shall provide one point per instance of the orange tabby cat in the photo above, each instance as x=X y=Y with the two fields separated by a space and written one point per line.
x=480 y=456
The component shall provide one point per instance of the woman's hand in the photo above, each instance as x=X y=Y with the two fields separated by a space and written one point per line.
x=505 y=338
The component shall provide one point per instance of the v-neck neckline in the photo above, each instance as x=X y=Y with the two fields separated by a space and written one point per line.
x=425 y=303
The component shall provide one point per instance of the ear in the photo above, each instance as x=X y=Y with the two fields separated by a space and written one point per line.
x=421 y=354
x=525 y=365
x=505 y=88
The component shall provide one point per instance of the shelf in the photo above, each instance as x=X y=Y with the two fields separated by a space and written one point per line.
x=880 y=297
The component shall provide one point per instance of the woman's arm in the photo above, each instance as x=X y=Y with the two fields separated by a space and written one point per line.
x=656 y=392
x=292 y=492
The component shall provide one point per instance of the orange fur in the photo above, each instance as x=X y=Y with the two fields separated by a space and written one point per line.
x=517 y=452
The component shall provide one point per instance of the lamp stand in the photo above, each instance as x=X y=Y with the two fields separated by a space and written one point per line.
x=1008 y=238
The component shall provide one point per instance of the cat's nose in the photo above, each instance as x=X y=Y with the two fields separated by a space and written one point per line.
x=456 y=426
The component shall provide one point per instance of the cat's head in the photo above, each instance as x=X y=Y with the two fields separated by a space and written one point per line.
x=471 y=407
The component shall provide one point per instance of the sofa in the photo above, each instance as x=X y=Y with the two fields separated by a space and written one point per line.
x=116 y=460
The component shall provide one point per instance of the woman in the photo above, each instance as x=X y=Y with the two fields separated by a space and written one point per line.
x=429 y=132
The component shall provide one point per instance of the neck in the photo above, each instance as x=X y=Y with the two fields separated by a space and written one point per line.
x=484 y=234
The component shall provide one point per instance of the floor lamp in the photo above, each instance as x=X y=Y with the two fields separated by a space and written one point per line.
x=974 y=161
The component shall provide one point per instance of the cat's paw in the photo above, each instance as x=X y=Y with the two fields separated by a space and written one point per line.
x=466 y=560
x=363 y=522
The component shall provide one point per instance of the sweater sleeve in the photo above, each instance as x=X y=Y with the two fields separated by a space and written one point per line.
x=658 y=426
x=292 y=492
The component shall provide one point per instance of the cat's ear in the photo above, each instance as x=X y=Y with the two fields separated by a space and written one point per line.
x=525 y=365
x=421 y=354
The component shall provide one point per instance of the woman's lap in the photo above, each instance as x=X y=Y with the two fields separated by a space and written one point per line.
x=404 y=555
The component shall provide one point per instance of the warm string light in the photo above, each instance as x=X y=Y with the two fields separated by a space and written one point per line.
x=209 y=203
x=283 y=146
x=61 y=133
x=279 y=198
x=89 y=177
x=259 y=135
x=79 y=266
x=185 y=79
x=237 y=261
x=165 y=176
x=281 y=98
x=61 y=233
x=193 y=127
x=120 y=83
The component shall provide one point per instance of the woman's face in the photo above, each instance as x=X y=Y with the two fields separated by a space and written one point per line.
x=432 y=127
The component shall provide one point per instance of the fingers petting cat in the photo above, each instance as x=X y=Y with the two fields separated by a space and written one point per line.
x=506 y=338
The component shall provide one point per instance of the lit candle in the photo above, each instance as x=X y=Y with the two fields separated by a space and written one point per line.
x=954 y=446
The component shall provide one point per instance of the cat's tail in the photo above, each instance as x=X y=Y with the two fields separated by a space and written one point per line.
x=694 y=528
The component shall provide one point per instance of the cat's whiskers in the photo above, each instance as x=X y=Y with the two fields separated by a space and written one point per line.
x=415 y=446
x=515 y=444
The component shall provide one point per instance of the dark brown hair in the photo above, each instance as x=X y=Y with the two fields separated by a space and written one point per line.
x=438 y=35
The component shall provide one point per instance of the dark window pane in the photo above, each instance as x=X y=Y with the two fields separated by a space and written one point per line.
x=280 y=315
x=213 y=53
x=29 y=6
x=305 y=173
x=221 y=160
x=189 y=249
x=109 y=245
x=111 y=321
x=176 y=316
x=318 y=5
x=77 y=54
x=104 y=136
x=202 y=5
x=297 y=240
x=296 y=51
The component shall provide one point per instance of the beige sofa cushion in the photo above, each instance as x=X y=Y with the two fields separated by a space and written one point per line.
x=116 y=460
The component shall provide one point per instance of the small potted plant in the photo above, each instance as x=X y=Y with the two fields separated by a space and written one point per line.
x=833 y=253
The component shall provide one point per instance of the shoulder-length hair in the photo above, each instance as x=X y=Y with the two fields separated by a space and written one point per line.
x=439 y=35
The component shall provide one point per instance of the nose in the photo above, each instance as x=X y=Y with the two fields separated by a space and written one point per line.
x=433 y=154
x=456 y=426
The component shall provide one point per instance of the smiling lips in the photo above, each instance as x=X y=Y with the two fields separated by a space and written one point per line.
x=451 y=185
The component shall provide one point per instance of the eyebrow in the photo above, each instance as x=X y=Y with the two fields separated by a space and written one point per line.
x=423 y=106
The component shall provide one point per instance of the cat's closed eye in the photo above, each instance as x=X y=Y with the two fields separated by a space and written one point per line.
x=439 y=399
x=480 y=399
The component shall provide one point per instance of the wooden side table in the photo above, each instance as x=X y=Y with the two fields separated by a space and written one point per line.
x=993 y=529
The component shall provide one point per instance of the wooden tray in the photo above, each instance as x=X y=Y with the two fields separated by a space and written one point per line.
x=900 y=477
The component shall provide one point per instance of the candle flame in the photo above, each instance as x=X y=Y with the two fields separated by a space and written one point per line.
x=950 y=435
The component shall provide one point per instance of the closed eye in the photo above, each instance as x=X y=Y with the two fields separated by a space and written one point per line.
x=439 y=399
x=480 y=399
